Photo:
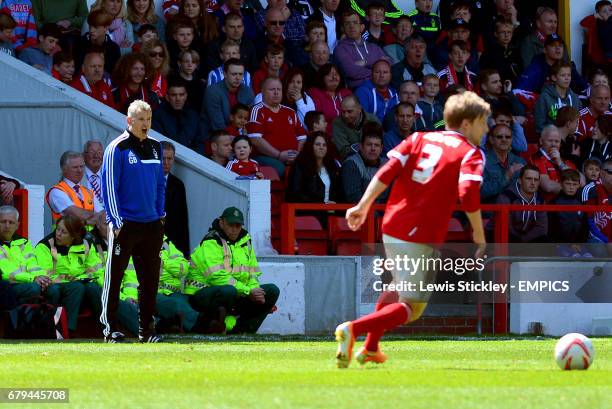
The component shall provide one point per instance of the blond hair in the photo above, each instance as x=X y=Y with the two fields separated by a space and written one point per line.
x=137 y=107
x=122 y=13
x=466 y=105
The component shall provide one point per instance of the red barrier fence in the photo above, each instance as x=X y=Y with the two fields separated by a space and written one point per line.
x=20 y=202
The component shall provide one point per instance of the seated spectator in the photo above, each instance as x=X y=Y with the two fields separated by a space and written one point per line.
x=353 y=55
x=314 y=121
x=459 y=30
x=599 y=104
x=358 y=169
x=97 y=37
x=246 y=12
x=7 y=187
x=40 y=56
x=221 y=97
x=498 y=94
x=179 y=123
x=502 y=116
x=119 y=30
x=477 y=12
x=176 y=227
x=274 y=129
x=93 y=151
x=555 y=96
x=90 y=81
x=328 y=93
x=403 y=126
x=273 y=65
x=7 y=26
x=239 y=117
x=237 y=290
x=425 y=22
x=457 y=72
x=142 y=12
x=603 y=26
x=501 y=166
x=569 y=227
x=179 y=38
x=315 y=176
x=592 y=170
x=132 y=78
x=188 y=64
x=290 y=35
x=69 y=197
x=160 y=63
x=229 y=49
x=566 y=121
x=534 y=44
x=71 y=263
x=63 y=67
x=598 y=145
x=221 y=147
x=410 y=92
x=550 y=163
x=375 y=95
x=536 y=74
x=413 y=67
x=294 y=95
x=242 y=164
x=526 y=226
x=600 y=225
x=502 y=55
x=18 y=265
x=273 y=32
x=232 y=29
x=145 y=33
x=68 y=15
x=329 y=15
x=431 y=108
x=347 y=127
x=376 y=32
x=319 y=56
x=316 y=31
x=19 y=18
x=402 y=30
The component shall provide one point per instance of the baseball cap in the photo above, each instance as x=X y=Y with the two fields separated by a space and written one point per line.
x=458 y=22
x=552 y=39
x=233 y=215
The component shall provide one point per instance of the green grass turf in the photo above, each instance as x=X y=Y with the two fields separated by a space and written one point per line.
x=254 y=373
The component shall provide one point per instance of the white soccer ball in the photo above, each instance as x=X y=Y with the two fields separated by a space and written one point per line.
x=574 y=351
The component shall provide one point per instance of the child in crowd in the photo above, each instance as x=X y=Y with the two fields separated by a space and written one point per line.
x=272 y=66
x=377 y=33
x=432 y=109
x=239 y=116
x=569 y=228
x=40 y=56
x=188 y=64
x=425 y=23
x=243 y=164
x=63 y=67
x=555 y=96
x=315 y=121
x=456 y=73
x=229 y=49
x=315 y=31
x=144 y=33
x=7 y=27
x=22 y=14
x=98 y=23
x=591 y=169
x=183 y=34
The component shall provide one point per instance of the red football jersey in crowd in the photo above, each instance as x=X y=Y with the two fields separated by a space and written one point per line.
x=282 y=129
x=243 y=168
x=586 y=123
x=432 y=170
x=100 y=91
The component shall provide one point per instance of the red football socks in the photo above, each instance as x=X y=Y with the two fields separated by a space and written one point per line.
x=376 y=323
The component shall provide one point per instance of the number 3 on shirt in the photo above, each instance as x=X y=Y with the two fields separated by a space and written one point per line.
x=430 y=156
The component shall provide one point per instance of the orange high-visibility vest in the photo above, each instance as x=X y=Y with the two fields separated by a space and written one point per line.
x=85 y=204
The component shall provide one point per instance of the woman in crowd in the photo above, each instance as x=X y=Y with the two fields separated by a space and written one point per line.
x=598 y=146
x=207 y=27
x=141 y=12
x=132 y=78
x=328 y=92
x=74 y=267
x=294 y=95
x=119 y=31
x=160 y=62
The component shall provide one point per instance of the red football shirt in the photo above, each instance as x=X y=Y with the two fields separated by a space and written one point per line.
x=243 y=168
x=546 y=167
x=432 y=171
x=586 y=123
x=282 y=129
x=100 y=91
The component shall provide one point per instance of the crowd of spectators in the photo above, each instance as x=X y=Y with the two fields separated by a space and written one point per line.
x=320 y=93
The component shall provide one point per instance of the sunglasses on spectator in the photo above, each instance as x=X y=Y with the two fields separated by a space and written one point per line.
x=277 y=23
x=154 y=54
x=502 y=136
x=608 y=171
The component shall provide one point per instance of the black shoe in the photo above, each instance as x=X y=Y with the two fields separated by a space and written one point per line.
x=116 y=338
x=150 y=339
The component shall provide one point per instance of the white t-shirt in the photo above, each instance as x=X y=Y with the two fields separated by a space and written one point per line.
x=326 y=181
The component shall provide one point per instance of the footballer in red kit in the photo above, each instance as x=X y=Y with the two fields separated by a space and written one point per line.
x=430 y=171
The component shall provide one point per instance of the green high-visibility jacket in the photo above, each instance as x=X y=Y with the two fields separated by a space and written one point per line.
x=18 y=262
x=64 y=264
x=216 y=261
x=129 y=285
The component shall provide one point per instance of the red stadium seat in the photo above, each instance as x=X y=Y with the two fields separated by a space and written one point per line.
x=456 y=232
x=269 y=173
x=344 y=241
x=310 y=236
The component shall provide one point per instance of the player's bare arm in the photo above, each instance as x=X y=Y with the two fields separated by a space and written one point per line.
x=356 y=215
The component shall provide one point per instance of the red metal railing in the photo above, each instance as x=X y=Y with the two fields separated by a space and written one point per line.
x=20 y=202
x=502 y=227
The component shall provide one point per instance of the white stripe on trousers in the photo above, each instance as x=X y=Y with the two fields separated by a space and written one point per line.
x=107 y=279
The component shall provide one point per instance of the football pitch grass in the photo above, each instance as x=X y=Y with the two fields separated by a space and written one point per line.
x=275 y=373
